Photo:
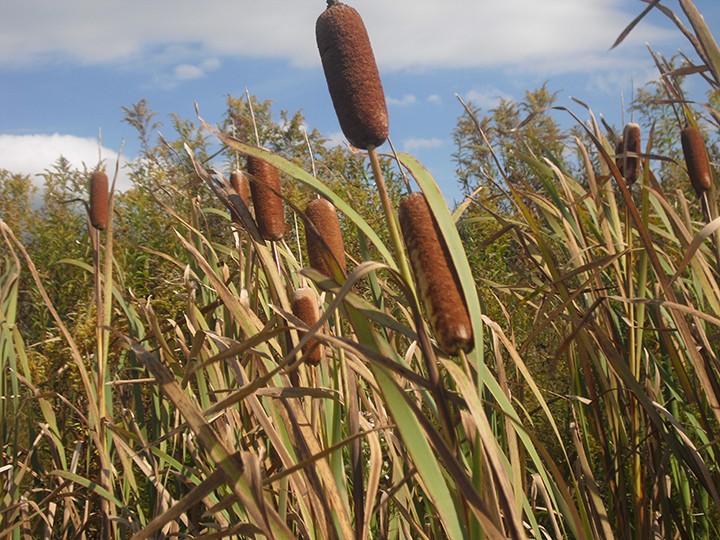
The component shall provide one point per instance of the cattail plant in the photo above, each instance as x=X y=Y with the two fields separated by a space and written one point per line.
x=352 y=75
x=696 y=160
x=435 y=275
x=99 y=200
x=304 y=306
x=629 y=166
x=269 y=207
x=357 y=95
x=323 y=236
x=240 y=184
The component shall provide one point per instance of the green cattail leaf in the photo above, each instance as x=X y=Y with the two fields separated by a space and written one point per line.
x=88 y=484
x=422 y=453
x=452 y=238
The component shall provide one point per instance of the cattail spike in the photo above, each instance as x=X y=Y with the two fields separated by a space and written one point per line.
x=696 y=159
x=435 y=275
x=99 y=200
x=240 y=184
x=629 y=166
x=269 y=207
x=304 y=306
x=324 y=238
x=352 y=75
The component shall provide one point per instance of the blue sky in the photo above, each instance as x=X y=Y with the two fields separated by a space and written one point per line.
x=68 y=67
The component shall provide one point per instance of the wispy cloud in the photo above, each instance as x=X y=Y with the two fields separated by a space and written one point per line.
x=554 y=35
x=627 y=79
x=406 y=100
x=415 y=144
x=184 y=72
x=485 y=97
x=34 y=154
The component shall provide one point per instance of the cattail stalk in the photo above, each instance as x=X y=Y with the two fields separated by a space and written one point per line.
x=268 y=204
x=357 y=94
x=304 y=306
x=696 y=160
x=99 y=200
x=352 y=75
x=629 y=166
x=392 y=222
x=241 y=186
x=325 y=246
x=435 y=275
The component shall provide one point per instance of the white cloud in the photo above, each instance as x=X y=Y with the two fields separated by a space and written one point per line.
x=210 y=64
x=626 y=80
x=196 y=69
x=434 y=98
x=551 y=36
x=34 y=154
x=185 y=72
x=485 y=97
x=406 y=100
x=415 y=144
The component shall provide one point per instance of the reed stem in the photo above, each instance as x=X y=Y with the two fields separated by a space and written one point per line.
x=391 y=216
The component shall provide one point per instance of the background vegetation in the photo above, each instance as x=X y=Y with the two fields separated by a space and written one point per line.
x=152 y=380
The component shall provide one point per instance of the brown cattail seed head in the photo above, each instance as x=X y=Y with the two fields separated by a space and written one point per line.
x=304 y=306
x=352 y=75
x=696 y=159
x=269 y=207
x=629 y=142
x=435 y=275
x=240 y=184
x=324 y=239
x=99 y=200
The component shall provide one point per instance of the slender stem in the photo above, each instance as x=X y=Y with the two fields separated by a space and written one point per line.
x=390 y=215
x=252 y=116
x=101 y=353
x=634 y=363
